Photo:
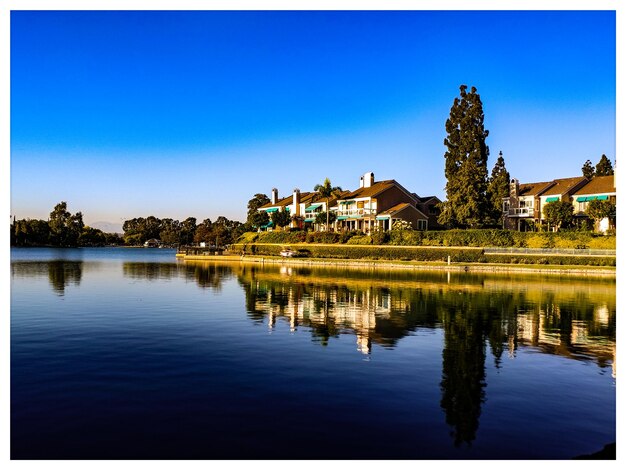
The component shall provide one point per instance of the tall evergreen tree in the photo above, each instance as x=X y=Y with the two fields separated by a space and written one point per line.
x=588 y=170
x=466 y=157
x=498 y=188
x=604 y=167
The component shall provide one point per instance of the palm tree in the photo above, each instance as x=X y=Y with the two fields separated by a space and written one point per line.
x=326 y=190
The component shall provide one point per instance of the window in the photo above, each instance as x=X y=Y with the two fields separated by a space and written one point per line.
x=359 y=204
x=422 y=224
x=505 y=206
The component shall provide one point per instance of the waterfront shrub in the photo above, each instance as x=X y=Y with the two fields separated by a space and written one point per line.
x=555 y=260
x=451 y=238
x=539 y=240
x=602 y=243
x=360 y=240
x=349 y=251
x=323 y=237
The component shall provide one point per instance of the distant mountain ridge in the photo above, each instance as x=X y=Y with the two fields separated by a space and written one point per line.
x=107 y=227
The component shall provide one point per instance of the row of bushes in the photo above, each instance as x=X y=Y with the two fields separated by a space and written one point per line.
x=457 y=255
x=553 y=260
x=459 y=238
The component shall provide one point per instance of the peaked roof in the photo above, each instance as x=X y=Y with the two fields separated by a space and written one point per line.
x=424 y=199
x=399 y=208
x=563 y=185
x=598 y=184
x=305 y=198
x=377 y=188
x=533 y=189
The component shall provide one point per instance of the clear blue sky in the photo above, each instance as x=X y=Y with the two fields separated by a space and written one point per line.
x=177 y=114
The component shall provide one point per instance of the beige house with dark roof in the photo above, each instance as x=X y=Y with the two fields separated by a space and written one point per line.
x=601 y=188
x=306 y=205
x=377 y=205
x=526 y=202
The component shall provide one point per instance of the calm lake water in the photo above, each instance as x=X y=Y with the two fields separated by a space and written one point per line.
x=129 y=353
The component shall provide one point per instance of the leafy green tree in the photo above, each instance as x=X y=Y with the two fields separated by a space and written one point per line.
x=31 y=232
x=203 y=232
x=604 y=167
x=187 y=231
x=559 y=213
x=588 y=170
x=598 y=210
x=326 y=218
x=327 y=191
x=91 y=237
x=113 y=239
x=281 y=218
x=465 y=163
x=498 y=188
x=65 y=228
x=256 y=217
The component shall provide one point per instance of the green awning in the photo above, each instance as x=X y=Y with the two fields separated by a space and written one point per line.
x=382 y=217
x=581 y=199
x=602 y=198
x=342 y=217
x=346 y=202
x=312 y=207
x=309 y=220
x=271 y=209
x=552 y=199
x=591 y=198
x=287 y=208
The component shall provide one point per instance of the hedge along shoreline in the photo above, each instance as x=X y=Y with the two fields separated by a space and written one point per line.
x=418 y=253
x=448 y=238
x=382 y=252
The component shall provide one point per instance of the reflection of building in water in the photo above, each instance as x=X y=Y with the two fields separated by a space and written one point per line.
x=553 y=329
x=570 y=318
x=355 y=310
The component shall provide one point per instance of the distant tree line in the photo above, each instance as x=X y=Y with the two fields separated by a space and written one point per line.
x=222 y=231
x=62 y=229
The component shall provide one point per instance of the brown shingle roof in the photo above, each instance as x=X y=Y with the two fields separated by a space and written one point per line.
x=533 y=189
x=400 y=207
x=304 y=197
x=563 y=186
x=598 y=185
x=375 y=189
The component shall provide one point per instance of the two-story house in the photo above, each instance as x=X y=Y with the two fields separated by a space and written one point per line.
x=526 y=202
x=377 y=205
x=521 y=208
x=601 y=188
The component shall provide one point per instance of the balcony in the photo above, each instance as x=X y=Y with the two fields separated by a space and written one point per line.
x=356 y=213
x=520 y=212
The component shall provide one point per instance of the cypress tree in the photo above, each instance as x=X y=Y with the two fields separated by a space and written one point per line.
x=588 y=170
x=604 y=167
x=498 y=188
x=466 y=157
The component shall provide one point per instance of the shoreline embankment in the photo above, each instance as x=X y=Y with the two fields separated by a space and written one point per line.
x=607 y=271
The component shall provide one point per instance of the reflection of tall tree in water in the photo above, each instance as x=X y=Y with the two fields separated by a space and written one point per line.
x=150 y=271
x=207 y=275
x=204 y=274
x=62 y=273
x=468 y=322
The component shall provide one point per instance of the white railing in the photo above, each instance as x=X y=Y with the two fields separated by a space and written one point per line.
x=521 y=211
x=355 y=212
